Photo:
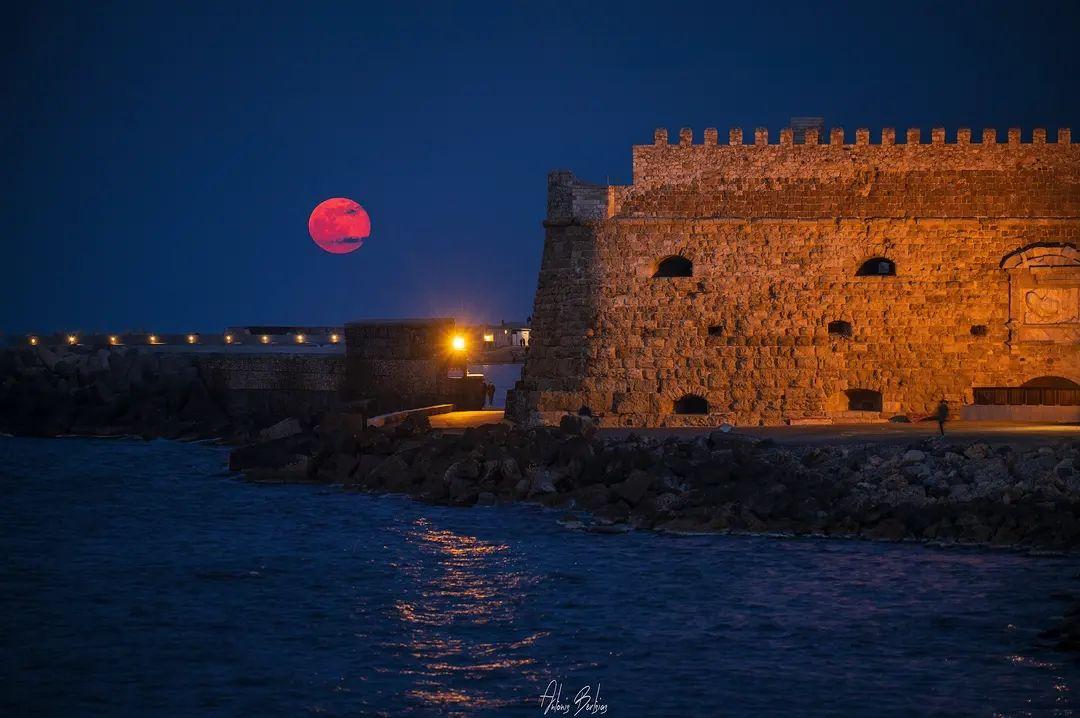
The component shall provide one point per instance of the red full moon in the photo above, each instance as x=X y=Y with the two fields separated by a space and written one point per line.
x=339 y=225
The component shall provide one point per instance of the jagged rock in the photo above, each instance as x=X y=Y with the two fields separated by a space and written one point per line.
x=392 y=470
x=918 y=472
x=633 y=489
x=592 y=497
x=47 y=357
x=462 y=491
x=576 y=425
x=365 y=464
x=412 y=425
x=341 y=468
x=464 y=469
x=282 y=429
x=913 y=456
x=542 y=481
x=509 y=470
x=342 y=423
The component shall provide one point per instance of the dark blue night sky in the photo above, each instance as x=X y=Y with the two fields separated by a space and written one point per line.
x=161 y=159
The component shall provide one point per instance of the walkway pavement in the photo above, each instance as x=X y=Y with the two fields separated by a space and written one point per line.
x=889 y=433
x=464 y=419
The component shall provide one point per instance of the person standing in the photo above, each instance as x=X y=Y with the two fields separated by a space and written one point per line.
x=942 y=415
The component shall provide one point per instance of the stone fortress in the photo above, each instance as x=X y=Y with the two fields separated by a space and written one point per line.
x=813 y=280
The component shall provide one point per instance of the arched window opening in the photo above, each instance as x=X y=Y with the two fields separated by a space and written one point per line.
x=674 y=266
x=863 y=400
x=1050 y=382
x=841 y=328
x=692 y=404
x=877 y=267
x=978 y=330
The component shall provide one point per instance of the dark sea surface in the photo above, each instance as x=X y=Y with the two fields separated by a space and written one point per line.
x=141 y=579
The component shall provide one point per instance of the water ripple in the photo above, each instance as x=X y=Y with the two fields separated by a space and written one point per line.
x=140 y=580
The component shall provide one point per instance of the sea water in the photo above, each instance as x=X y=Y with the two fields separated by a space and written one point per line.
x=142 y=579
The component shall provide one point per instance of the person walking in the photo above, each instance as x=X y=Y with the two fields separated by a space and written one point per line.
x=942 y=415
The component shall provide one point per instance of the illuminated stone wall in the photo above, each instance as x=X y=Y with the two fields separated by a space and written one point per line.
x=272 y=385
x=403 y=364
x=983 y=237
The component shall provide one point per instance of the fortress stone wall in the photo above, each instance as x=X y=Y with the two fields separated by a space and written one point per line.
x=825 y=280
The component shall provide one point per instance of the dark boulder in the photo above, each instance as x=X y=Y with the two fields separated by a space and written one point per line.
x=578 y=425
x=633 y=489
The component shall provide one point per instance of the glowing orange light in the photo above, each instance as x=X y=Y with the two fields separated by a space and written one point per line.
x=265 y=339
x=299 y=338
x=114 y=340
x=152 y=339
x=192 y=338
x=228 y=338
x=72 y=339
x=458 y=343
x=334 y=338
x=489 y=337
x=33 y=341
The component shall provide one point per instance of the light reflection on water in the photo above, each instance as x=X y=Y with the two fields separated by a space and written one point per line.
x=140 y=579
x=461 y=583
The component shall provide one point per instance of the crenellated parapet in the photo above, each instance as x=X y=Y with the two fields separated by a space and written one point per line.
x=863 y=136
x=813 y=173
x=811 y=153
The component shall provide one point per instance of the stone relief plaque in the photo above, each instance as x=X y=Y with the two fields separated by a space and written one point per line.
x=1044 y=296
x=1052 y=305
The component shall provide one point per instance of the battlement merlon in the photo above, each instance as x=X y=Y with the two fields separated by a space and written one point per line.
x=834 y=151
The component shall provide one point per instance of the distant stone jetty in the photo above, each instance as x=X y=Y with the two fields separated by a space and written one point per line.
x=137 y=391
x=159 y=391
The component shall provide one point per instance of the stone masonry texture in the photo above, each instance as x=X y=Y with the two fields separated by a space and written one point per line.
x=982 y=234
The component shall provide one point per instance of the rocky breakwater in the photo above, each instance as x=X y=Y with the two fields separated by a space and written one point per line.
x=932 y=490
x=110 y=392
